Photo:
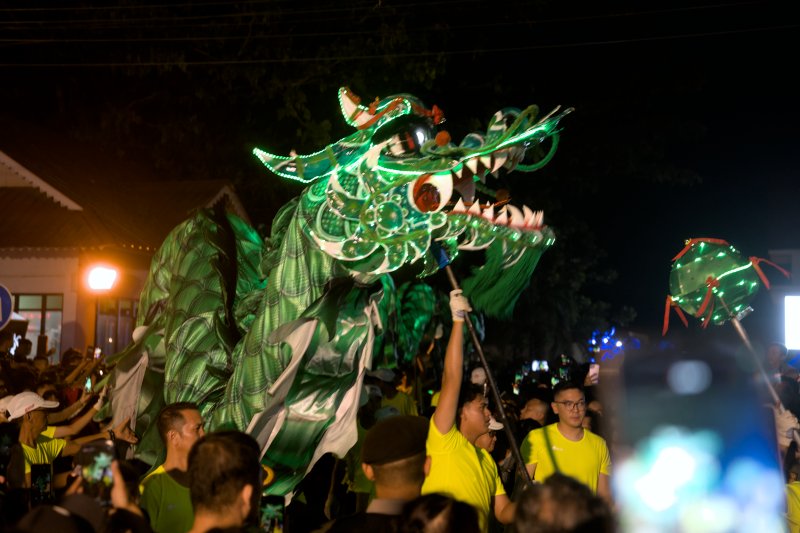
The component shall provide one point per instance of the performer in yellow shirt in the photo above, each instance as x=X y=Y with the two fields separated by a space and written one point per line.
x=793 y=506
x=567 y=447
x=458 y=468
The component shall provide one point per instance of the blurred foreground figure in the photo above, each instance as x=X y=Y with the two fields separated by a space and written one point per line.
x=394 y=457
x=560 y=505
x=224 y=480
x=681 y=457
x=437 y=513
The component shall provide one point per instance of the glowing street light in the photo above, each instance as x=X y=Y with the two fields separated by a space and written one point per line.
x=102 y=278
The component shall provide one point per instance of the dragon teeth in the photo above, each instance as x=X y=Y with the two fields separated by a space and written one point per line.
x=472 y=164
x=502 y=218
x=488 y=213
x=475 y=209
x=459 y=207
x=533 y=219
x=528 y=212
x=517 y=218
x=499 y=160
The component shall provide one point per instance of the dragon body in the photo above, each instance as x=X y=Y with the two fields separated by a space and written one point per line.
x=273 y=336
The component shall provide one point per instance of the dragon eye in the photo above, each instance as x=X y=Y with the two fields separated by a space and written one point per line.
x=430 y=192
x=404 y=136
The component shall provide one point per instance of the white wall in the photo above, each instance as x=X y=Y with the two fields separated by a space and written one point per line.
x=57 y=275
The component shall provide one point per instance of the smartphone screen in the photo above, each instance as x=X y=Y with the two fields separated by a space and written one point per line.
x=88 y=384
x=272 y=513
x=42 y=484
x=97 y=352
x=94 y=463
x=696 y=450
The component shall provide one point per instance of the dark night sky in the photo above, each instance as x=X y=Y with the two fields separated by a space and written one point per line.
x=727 y=68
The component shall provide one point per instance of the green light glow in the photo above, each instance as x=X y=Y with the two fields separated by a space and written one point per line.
x=734 y=270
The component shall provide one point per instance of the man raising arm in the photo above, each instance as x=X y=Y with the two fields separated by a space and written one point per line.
x=458 y=468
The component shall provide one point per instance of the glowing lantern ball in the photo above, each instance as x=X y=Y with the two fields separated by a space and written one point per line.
x=711 y=280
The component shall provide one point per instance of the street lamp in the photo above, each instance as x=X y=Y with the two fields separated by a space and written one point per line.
x=101 y=279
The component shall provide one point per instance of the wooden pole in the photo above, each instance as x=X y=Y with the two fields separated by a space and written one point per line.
x=512 y=441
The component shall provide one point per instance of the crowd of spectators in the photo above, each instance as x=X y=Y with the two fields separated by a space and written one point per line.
x=422 y=462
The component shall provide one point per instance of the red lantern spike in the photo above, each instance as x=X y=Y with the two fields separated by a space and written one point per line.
x=710 y=314
x=711 y=283
x=671 y=304
x=756 y=260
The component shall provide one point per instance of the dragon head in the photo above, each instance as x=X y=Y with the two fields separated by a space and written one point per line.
x=381 y=197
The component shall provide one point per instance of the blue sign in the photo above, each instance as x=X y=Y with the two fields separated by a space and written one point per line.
x=6 y=306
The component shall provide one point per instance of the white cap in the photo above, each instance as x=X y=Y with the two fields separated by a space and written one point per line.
x=383 y=374
x=478 y=376
x=25 y=402
x=494 y=425
x=4 y=404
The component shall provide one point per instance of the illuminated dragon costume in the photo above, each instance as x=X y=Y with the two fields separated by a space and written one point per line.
x=273 y=337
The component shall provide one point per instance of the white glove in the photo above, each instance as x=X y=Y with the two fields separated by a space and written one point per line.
x=101 y=399
x=785 y=424
x=459 y=305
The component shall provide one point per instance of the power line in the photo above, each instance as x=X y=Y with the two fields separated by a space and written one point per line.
x=116 y=23
x=403 y=55
x=117 y=8
x=35 y=40
x=314 y=11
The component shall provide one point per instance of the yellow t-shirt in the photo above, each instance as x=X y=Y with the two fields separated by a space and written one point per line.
x=167 y=502
x=462 y=471
x=584 y=460
x=45 y=452
x=402 y=402
x=793 y=506
x=435 y=398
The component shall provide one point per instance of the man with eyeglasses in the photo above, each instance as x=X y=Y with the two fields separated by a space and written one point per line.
x=567 y=447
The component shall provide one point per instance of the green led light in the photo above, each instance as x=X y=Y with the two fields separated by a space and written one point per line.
x=734 y=270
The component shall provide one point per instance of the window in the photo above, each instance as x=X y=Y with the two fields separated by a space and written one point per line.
x=43 y=313
x=116 y=318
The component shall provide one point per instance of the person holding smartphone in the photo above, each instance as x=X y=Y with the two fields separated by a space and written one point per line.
x=30 y=411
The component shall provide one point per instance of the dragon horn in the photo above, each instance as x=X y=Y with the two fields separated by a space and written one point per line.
x=353 y=112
